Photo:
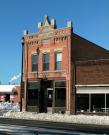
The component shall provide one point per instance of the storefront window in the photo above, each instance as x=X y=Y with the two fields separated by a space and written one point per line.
x=82 y=102
x=33 y=94
x=97 y=102
x=60 y=84
x=60 y=93
x=92 y=103
x=107 y=103
x=33 y=97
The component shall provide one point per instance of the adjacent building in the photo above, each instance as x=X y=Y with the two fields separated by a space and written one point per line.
x=9 y=93
x=63 y=72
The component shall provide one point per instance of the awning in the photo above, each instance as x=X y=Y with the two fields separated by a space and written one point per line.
x=92 y=89
x=7 y=88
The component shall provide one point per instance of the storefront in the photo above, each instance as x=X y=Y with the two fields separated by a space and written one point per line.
x=53 y=62
x=46 y=96
x=92 y=98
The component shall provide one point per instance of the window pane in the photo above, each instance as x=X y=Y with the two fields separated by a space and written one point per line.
x=58 y=65
x=35 y=67
x=46 y=66
x=97 y=102
x=58 y=61
x=46 y=58
x=34 y=59
x=46 y=61
x=34 y=62
x=33 y=97
x=107 y=102
x=82 y=103
x=60 y=84
x=60 y=97
x=59 y=57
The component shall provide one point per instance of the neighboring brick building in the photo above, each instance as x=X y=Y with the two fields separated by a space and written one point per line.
x=58 y=70
x=9 y=93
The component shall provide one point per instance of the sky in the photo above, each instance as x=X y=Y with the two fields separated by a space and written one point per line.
x=90 y=20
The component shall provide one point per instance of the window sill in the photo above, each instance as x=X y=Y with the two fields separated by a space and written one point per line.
x=58 y=70
x=47 y=71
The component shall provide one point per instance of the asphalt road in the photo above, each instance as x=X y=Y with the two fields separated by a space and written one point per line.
x=57 y=125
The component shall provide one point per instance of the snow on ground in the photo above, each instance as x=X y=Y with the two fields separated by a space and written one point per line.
x=13 y=111
x=83 y=119
x=9 y=106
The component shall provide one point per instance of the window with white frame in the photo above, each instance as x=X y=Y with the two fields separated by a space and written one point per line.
x=58 y=60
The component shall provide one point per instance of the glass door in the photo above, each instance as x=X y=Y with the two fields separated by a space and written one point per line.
x=49 y=99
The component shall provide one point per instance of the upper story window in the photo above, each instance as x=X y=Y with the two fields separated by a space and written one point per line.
x=34 y=62
x=46 y=61
x=58 y=61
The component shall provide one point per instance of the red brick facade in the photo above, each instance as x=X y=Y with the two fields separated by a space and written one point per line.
x=81 y=60
x=51 y=40
x=95 y=72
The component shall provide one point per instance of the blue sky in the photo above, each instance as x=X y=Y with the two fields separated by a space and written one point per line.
x=90 y=20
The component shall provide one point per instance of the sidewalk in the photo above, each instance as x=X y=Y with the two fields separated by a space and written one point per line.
x=79 y=119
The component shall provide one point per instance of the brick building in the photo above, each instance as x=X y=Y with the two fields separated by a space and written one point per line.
x=9 y=93
x=63 y=72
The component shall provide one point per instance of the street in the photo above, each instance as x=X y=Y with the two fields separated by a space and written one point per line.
x=33 y=127
x=6 y=129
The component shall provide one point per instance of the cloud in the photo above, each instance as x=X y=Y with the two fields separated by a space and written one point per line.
x=15 y=77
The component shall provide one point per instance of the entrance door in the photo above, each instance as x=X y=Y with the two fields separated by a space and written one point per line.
x=49 y=99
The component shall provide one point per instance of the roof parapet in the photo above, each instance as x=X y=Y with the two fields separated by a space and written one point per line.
x=25 y=32
x=69 y=24
x=40 y=25
x=51 y=23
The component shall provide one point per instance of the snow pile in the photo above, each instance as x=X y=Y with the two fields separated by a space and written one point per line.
x=83 y=119
x=7 y=106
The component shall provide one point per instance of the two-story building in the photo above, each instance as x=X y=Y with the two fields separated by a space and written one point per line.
x=63 y=72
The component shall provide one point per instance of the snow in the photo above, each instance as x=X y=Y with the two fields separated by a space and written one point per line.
x=82 y=119
x=12 y=110
x=8 y=106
